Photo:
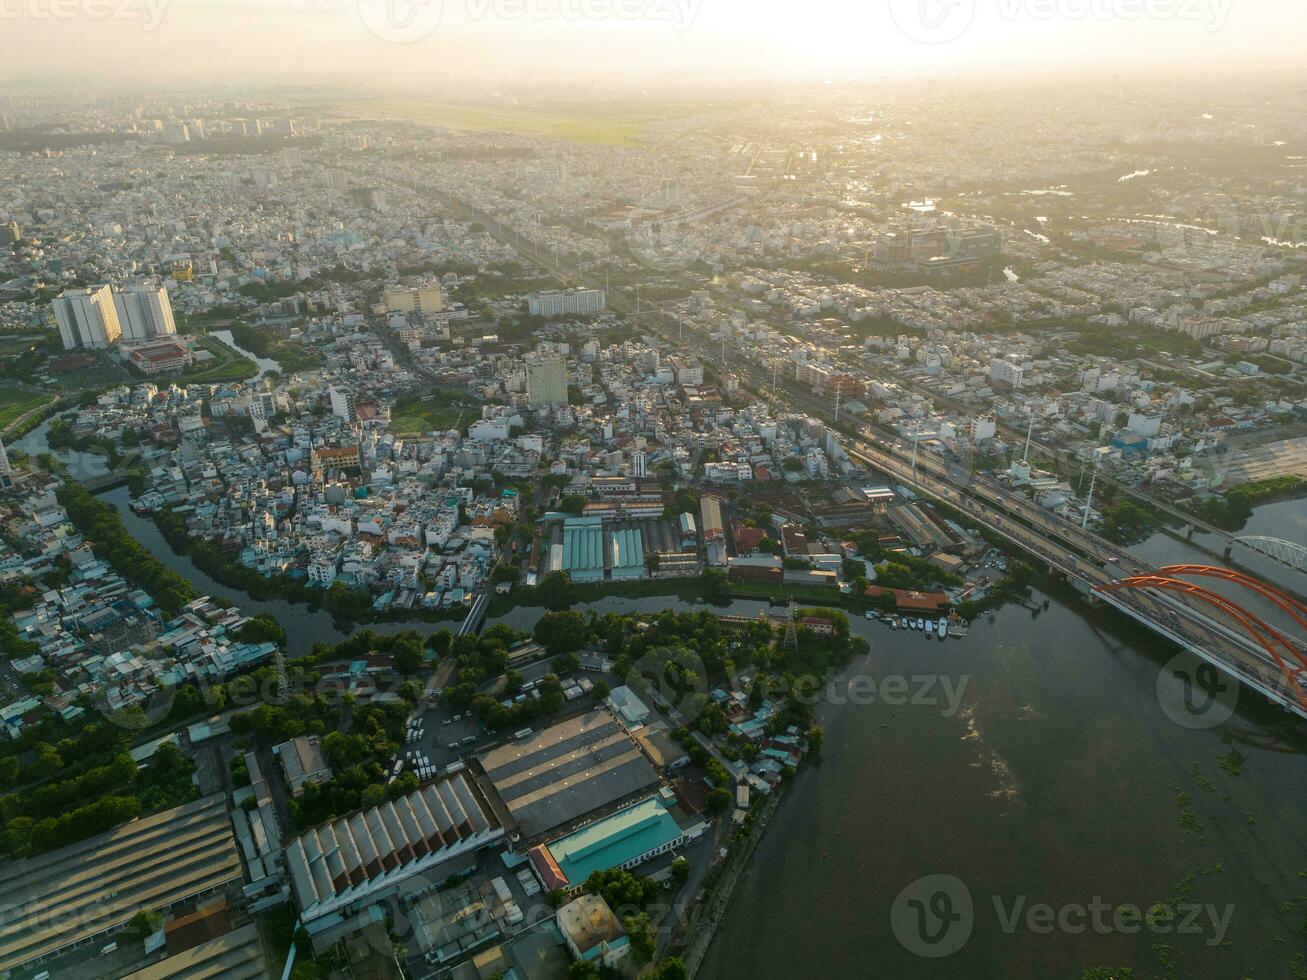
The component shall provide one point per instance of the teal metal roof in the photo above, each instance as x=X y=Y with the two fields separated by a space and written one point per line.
x=583 y=556
x=615 y=840
x=627 y=553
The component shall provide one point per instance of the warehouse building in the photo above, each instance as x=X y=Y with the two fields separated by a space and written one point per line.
x=352 y=862
x=626 y=839
x=583 y=549
x=592 y=552
x=236 y=955
x=569 y=770
x=82 y=892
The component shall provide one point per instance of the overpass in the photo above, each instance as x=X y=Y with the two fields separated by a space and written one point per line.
x=1222 y=633
x=476 y=615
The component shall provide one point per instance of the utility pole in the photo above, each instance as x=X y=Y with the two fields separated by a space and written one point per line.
x=1089 y=500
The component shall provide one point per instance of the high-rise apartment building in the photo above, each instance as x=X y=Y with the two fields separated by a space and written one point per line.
x=575 y=302
x=423 y=299
x=6 y=470
x=144 y=312
x=546 y=379
x=87 y=318
x=342 y=404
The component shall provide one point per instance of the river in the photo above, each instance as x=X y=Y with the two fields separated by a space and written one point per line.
x=265 y=364
x=1055 y=783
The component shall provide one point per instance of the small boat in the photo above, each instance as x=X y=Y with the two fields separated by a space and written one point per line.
x=941 y=628
x=893 y=624
x=872 y=614
x=921 y=624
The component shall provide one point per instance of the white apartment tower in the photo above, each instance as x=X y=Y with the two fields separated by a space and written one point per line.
x=144 y=312
x=575 y=302
x=639 y=464
x=342 y=404
x=546 y=379
x=6 y=470
x=87 y=318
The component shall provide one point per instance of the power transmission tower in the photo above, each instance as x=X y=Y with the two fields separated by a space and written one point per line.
x=791 y=633
x=283 y=684
x=1089 y=501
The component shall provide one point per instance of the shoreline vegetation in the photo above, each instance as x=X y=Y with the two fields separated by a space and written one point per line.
x=350 y=607
x=347 y=606
x=1232 y=510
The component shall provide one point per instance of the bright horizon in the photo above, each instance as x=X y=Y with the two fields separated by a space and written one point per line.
x=475 y=43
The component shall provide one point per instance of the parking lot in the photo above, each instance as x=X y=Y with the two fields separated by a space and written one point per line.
x=447 y=735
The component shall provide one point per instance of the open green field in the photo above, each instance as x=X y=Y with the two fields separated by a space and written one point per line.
x=227 y=365
x=613 y=125
x=413 y=416
x=16 y=402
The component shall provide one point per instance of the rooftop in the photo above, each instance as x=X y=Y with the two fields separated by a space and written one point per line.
x=613 y=841
x=566 y=771
x=87 y=889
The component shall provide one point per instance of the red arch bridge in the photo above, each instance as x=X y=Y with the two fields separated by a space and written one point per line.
x=1221 y=630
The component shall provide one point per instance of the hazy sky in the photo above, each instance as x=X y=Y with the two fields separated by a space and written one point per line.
x=399 y=41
